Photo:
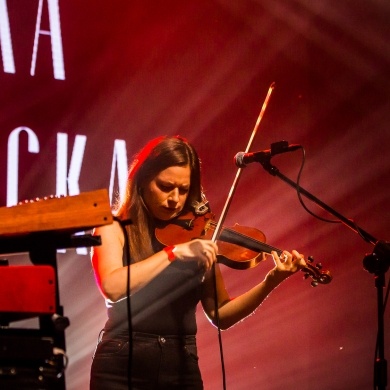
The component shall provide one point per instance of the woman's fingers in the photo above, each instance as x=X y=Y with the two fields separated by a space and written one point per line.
x=287 y=261
x=203 y=251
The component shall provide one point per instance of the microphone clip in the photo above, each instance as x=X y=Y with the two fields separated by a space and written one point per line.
x=279 y=147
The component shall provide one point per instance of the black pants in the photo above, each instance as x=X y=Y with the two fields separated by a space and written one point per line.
x=157 y=362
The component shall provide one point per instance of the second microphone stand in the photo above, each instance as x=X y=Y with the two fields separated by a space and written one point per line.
x=377 y=263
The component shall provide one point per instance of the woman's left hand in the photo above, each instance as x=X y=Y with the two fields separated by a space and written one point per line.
x=288 y=263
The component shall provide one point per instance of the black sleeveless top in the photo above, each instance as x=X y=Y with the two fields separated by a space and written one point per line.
x=165 y=306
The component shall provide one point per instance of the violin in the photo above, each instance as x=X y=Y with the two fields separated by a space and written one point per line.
x=239 y=247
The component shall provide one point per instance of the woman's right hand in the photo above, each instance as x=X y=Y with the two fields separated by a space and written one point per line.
x=202 y=251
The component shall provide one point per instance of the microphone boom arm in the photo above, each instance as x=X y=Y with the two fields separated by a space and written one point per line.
x=274 y=171
x=376 y=263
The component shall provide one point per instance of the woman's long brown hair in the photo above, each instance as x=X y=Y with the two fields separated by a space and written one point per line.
x=158 y=154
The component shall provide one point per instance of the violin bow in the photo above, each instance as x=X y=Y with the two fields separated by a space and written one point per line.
x=221 y=220
x=229 y=198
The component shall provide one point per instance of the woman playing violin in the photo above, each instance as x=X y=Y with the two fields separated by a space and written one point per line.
x=164 y=284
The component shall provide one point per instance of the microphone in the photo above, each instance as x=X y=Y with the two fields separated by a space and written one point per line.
x=241 y=159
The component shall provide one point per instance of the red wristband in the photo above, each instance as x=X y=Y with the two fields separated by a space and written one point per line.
x=169 y=251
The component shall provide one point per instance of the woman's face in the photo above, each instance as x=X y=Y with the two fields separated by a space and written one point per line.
x=166 y=194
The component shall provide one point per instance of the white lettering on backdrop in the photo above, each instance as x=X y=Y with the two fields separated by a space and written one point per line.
x=119 y=160
x=68 y=184
x=54 y=33
x=67 y=181
x=5 y=39
x=13 y=160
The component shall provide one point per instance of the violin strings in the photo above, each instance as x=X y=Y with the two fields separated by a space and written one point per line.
x=249 y=238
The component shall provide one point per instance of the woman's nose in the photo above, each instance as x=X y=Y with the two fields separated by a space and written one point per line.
x=174 y=195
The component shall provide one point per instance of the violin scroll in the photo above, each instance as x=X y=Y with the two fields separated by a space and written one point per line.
x=316 y=273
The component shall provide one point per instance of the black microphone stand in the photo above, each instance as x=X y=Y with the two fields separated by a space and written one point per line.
x=376 y=263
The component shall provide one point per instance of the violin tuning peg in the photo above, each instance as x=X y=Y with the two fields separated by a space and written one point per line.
x=310 y=259
x=319 y=266
x=306 y=276
x=314 y=283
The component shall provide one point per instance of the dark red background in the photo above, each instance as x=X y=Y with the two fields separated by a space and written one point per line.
x=138 y=69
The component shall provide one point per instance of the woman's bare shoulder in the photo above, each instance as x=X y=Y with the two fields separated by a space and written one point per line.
x=110 y=232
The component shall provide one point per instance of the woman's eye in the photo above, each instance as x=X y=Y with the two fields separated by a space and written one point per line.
x=169 y=188
x=165 y=188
